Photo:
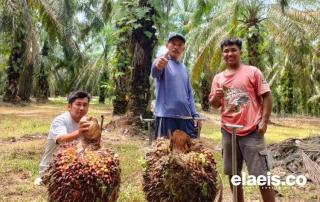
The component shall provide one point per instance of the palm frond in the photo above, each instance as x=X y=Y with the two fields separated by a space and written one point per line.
x=308 y=20
x=285 y=31
x=90 y=77
x=56 y=26
x=314 y=98
x=211 y=48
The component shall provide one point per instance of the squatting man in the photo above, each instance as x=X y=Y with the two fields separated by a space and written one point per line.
x=66 y=127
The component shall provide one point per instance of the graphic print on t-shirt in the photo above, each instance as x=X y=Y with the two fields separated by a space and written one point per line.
x=235 y=98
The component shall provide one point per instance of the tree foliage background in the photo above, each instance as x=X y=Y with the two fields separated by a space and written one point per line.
x=48 y=48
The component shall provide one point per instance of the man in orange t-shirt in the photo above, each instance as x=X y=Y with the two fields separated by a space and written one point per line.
x=245 y=99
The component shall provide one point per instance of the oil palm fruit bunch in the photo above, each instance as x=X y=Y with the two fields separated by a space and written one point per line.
x=89 y=174
x=180 y=170
x=93 y=175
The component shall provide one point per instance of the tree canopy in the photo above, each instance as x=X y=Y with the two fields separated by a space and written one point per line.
x=49 y=48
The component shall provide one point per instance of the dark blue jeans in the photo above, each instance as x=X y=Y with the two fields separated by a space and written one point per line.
x=165 y=125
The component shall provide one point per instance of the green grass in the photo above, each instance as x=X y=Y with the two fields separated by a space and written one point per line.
x=18 y=169
x=37 y=120
x=21 y=156
x=15 y=126
x=20 y=159
x=131 y=176
x=131 y=193
x=273 y=134
x=280 y=133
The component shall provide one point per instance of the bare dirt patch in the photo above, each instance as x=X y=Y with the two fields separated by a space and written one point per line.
x=295 y=121
x=26 y=138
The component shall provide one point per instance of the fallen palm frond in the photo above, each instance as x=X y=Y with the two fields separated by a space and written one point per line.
x=298 y=156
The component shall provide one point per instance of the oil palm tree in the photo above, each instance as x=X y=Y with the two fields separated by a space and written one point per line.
x=259 y=24
x=17 y=23
x=138 y=19
x=122 y=58
x=143 y=41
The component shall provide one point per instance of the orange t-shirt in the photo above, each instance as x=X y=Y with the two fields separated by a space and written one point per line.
x=241 y=104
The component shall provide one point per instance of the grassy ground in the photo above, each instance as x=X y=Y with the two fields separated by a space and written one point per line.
x=23 y=131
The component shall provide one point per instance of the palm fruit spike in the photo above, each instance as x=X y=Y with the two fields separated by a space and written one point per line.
x=180 y=142
x=179 y=170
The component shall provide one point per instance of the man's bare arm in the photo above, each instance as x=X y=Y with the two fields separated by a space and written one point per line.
x=83 y=128
x=266 y=112
x=68 y=137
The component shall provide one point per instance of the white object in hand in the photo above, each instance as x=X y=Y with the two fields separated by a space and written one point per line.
x=38 y=181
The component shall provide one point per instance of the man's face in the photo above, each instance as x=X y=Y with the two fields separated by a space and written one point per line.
x=231 y=55
x=78 y=108
x=175 y=47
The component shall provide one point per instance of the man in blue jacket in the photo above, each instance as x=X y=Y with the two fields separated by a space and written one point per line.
x=175 y=108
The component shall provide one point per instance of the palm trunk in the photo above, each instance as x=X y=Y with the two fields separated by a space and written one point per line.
x=13 y=74
x=120 y=103
x=121 y=77
x=290 y=104
x=102 y=98
x=26 y=76
x=25 y=83
x=142 y=46
x=205 y=91
x=253 y=35
x=276 y=99
x=287 y=91
x=253 y=50
x=43 y=86
x=15 y=64
x=103 y=78
x=122 y=74
x=43 y=91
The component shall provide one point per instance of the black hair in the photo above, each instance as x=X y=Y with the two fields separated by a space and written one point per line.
x=230 y=42
x=78 y=94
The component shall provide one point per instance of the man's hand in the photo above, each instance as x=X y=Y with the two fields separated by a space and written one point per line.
x=162 y=62
x=83 y=126
x=218 y=94
x=197 y=123
x=262 y=127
